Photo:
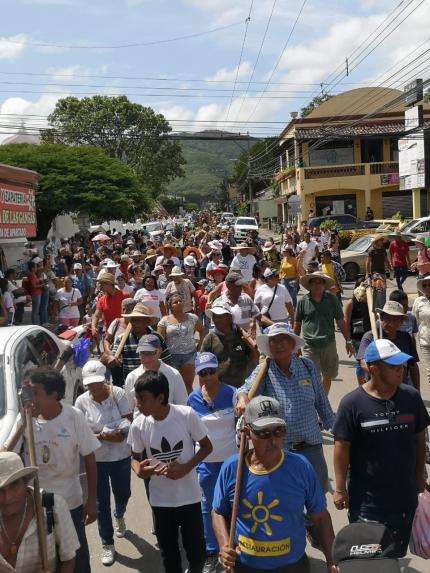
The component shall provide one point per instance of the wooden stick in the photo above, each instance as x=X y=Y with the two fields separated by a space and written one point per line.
x=369 y=295
x=41 y=532
x=235 y=509
x=123 y=341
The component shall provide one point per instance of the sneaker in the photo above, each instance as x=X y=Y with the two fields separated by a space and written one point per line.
x=108 y=554
x=120 y=527
x=212 y=565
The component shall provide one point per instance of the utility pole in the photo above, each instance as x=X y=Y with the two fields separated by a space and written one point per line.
x=249 y=180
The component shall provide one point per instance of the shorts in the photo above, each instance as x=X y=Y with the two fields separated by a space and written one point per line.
x=325 y=358
x=180 y=360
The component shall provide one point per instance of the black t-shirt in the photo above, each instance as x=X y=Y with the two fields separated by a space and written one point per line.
x=382 y=434
x=377 y=257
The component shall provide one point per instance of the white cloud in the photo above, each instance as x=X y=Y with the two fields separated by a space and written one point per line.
x=70 y=73
x=224 y=75
x=12 y=47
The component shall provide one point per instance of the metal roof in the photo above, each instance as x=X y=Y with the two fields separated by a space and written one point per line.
x=342 y=131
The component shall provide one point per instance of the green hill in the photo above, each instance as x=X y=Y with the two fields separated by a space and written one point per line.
x=208 y=163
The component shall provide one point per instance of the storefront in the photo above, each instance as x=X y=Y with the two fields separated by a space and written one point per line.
x=336 y=205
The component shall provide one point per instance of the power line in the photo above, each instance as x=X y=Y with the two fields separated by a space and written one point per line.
x=128 y=45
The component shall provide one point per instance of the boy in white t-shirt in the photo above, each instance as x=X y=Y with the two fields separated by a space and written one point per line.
x=167 y=433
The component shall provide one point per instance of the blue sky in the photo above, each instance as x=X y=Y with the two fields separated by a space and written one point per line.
x=202 y=69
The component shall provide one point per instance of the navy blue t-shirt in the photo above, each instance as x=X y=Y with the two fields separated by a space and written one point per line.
x=382 y=434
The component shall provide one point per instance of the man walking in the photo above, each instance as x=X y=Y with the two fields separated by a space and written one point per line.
x=399 y=254
x=316 y=313
x=379 y=452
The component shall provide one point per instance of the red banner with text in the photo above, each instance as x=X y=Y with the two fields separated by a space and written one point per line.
x=17 y=212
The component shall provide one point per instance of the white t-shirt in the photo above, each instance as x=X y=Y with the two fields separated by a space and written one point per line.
x=65 y=298
x=151 y=299
x=105 y=416
x=59 y=443
x=166 y=441
x=13 y=286
x=278 y=310
x=8 y=301
x=245 y=264
x=309 y=251
x=177 y=392
x=159 y=260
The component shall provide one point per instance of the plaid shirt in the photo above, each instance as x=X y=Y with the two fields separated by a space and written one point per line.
x=129 y=356
x=301 y=397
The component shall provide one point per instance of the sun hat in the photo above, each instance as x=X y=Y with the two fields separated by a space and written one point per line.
x=190 y=261
x=268 y=273
x=219 y=307
x=168 y=247
x=219 y=269
x=141 y=311
x=77 y=267
x=305 y=280
x=268 y=246
x=157 y=268
x=241 y=246
x=176 y=272
x=12 y=468
x=125 y=258
x=421 y=281
x=365 y=547
x=136 y=253
x=235 y=279
x=215 y=245
x=392 y=308
x=263 y=412
x=386 y=351
x=109 y=263
x=148 y=343
x=205 y=360
x=150 y=253
x=378 y=238
x=420 y=239
x=106 y=278
x=130 y=242
x=197 y=252
x=262 y=340
x=93 y=371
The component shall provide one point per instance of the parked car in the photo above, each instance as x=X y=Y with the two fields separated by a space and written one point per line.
x=243 y=225
x=416 y=227
x=354 y=257
x=227 y=217
x=154 y=228
x=21 y=349
x=347 y=222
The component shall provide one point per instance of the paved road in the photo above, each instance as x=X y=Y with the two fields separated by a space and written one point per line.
x=137 y=551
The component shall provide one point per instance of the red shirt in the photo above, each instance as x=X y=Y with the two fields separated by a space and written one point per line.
x=110 y=306
x=34 y=283
x=398 y=252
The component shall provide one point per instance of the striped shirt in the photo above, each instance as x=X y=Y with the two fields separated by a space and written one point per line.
x=129 y=356
x=301 y=397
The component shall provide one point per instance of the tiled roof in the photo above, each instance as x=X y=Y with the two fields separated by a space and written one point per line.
x=393 y=128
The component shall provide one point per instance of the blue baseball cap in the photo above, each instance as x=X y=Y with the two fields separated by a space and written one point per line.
x=205 y=360
x=386 y=351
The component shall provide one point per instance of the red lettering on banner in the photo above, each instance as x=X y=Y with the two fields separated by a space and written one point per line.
x=17 y=212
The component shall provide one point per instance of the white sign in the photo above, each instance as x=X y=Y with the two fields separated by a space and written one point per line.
x=412 y=161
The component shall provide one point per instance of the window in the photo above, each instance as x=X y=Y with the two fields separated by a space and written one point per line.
x=24 y=359
x=45 y=347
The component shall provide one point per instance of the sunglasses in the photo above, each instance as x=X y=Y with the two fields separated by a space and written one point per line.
x=207 y=372
x=266 y=434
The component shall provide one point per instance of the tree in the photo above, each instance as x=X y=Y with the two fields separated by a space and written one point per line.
x=313 y=104
x=128 y=131
x=255 y=166
x=81 y=178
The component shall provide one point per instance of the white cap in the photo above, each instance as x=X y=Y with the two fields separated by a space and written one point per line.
x=190 y=261
x=93 y=371
x=77 y=267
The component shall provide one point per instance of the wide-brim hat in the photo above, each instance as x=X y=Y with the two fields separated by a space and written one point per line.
x=262 y=340
x=219 y=307
x=392 y=308
x=222 y=270
x=420 y=239
x=150 y=253
x=215 y=245
x=329 y=282
x=168 y=248
x=379 y=237
x=177 y=272
x=194 y=250
x=141 y=311
x=190 y=261
x=241 y=246
x=421 y=281
x=12 y=468
x=268 y=246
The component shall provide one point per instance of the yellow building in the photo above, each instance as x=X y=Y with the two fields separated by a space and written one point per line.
x=343 y=158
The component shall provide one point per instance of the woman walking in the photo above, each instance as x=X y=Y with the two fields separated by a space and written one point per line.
x=151 y=297
x=178 y=329
x=69 y=299
x=289 y=273
x=108 y=413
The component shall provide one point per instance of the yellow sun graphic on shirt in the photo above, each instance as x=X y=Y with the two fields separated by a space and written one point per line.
x=260 y=513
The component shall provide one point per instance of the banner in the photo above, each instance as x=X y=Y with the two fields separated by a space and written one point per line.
x=17 y=212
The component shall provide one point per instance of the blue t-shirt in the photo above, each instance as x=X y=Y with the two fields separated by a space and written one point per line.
x=218 y=417
x=270 y=530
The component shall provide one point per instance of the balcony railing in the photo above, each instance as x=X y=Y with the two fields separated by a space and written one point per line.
x=352 y=170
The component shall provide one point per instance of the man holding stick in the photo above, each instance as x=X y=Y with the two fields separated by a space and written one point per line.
x=275 y=486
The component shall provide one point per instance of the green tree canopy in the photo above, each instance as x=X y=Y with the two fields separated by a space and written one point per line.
x=128 y=131
x=257 y=165
x=313 y=104
x=81 y=178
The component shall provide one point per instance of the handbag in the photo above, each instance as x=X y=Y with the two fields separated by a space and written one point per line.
x=420 y=538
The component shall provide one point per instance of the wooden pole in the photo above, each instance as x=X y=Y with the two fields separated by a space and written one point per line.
x=369 y=295
x=123 y=341
x=235 y=509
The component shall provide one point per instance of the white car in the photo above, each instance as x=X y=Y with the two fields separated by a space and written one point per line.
x=21 y=349
x=154 y=228
x=243 y=226
x=416 y=227
x=227 y=217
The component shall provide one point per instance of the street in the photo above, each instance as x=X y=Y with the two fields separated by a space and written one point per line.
x=137 y=551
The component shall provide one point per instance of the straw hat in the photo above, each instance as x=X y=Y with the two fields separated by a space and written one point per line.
x=392 y=308
x=379 y=237
x=420 y=239
x=262 y=340
x=241 y=246
x=215 y=245
x=194 y=250
x=222 y=270
x=268 y=246
x=150 y=254
x=190 y=261
x=12 y=468
x=141 y=311
x=106 y=278
x=421 y=281
x=176 y=272
x=304 y=281
x=168 y=250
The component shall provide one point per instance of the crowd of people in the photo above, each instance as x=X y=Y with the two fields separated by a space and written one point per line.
x=197 y=339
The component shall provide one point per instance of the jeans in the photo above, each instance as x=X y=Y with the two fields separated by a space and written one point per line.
x=400 y=274
x=35 y=308
x=291 y=286
x=119 y=474
x=82 y=559
x=399 y=523
x=315 y=456
x=167 y=521
x=43 y=309
x=179 y=360
x=208 y=475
